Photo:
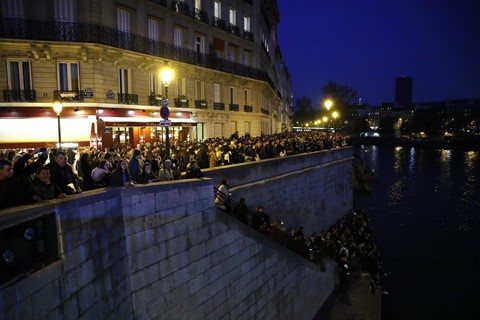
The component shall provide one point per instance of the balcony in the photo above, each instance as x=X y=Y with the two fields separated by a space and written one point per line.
x=125 y=98
x=218 y=106
x=247 y=108
x=201 y=15
x=233 y=29
x=19 y=96
x=41 y=30
x=201 y=104
x=155 y=100
x=181 y=102
x=265 y=111
x=160 y=2
x=219 y=23
x=69 y=96
x=233 y=107
x=181 y=7
x=247 y=35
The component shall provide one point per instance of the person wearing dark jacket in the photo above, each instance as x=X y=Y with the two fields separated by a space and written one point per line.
x=42 y=186
x=147 y=176
x=121 y=177
x=193 y=170
x=12 y=191
x=61 y=174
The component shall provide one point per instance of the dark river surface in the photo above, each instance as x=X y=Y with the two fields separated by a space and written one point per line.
x=425 y=212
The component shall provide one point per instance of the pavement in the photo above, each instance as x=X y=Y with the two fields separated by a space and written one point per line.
x=354 y=302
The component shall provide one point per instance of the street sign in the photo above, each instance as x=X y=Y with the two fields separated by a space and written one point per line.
x=165 y=123
x=164 y=112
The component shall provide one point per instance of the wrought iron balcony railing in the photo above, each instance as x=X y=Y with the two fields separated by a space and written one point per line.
x=69 y=96
x=201 y=104
x=247 y=35
x=247 y=108
x=181 y=102
x=201 y=15
x=126 y=98
x=155 y=100
x=92 y=33
x=219 y=23
x=19 y=96
x=233 y=107
x=233 y=29
x=218 y=106
x=265 y=111
x=181 y=7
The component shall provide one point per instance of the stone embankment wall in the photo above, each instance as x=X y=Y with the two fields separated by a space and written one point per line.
x=162 y=251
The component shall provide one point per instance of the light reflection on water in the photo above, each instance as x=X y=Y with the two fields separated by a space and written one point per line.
x=425 y=208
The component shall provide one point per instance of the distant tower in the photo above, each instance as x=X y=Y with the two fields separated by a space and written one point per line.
x=403 y=91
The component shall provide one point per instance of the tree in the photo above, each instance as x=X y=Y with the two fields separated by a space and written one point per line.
x=304 y=111
x=342 y=95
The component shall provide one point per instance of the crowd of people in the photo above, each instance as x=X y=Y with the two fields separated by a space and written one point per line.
x=349 y=242
x=40 y=174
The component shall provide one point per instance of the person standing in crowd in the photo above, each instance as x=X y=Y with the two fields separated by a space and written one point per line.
x=101 y=174
x=223 y=198
x=62 y=174
x=12 y=191
x=84 y=169
x=147 y=176
x=134 y=167
x=121 y=177
x=42 y=186
x=193 y=170
x=166 y=173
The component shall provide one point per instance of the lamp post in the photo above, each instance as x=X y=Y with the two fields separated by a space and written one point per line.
x=57 y=107
x=335 y=116
x=166 y=76
x=328 y=104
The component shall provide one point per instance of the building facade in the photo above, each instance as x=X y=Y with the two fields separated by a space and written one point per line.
x=102 y=60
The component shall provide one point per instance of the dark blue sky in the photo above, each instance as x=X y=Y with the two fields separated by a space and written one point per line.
x=366 y=44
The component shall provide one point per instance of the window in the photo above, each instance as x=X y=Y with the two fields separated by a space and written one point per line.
x=177 y=37
x=245 y=95
x=233 y=95
x=65 y=10
x=153 y=30
x=123 y=20
x=153 y=84
x=216 y=92
x=246 y=23
x=68 y=76
x=232 y=53
x=198 y=4
x=124 y=81
x=19 y=76
x=13 y=8
x=200 y=44
x=217 y=9
x=181 y=87
x=199 y=90
x=232 y=14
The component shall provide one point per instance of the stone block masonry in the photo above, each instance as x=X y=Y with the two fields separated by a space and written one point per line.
x=163 y=251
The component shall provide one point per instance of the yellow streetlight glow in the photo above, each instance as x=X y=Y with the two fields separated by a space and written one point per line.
x=57 y=106
x=328 y=104
x=166 y=75
x=325 y=119
x=335 y=115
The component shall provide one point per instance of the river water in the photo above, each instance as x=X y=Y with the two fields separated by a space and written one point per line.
x=425 y=212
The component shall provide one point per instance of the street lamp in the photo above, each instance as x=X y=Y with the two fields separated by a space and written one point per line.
x=57 y=107
x=166 y=76
x=328 y=104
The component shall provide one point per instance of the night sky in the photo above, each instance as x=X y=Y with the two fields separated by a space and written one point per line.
x=367 y=44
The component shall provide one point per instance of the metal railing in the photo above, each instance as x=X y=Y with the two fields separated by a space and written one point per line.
x=218 y=106
x=126 y=98
x=43 y=30
x=19 y=96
